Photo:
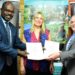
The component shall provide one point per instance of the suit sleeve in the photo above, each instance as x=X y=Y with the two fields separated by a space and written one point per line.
x=7 y=50
x=67 y=55
x=18 y=43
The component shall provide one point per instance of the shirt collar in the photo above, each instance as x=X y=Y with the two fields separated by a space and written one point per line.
x=4 y=22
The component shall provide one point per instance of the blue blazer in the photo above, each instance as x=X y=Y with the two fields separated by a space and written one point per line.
x=5 y=48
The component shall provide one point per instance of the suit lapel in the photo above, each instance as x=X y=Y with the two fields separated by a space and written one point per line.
x=72 y=42
x=2 y=28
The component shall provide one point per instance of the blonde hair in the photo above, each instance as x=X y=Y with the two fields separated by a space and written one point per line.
x=42 y=27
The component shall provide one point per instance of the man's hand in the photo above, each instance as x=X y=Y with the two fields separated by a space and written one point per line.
x=22 y=53
x=54 y=56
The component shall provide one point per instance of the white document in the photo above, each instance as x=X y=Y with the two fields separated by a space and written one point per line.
x=36 y=52
x=50 y=47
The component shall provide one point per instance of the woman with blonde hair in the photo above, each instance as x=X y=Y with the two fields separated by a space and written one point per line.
x=37 y=33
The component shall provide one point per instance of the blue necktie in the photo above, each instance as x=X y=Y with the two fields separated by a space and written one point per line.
x=8 y=31
x=8 y=58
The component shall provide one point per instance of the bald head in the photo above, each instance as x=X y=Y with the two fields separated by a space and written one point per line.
x=72 y=20
x=7 y=10
x=5 y=4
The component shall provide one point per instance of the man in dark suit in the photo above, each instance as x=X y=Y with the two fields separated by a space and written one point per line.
x=68 y=56
x=9 y=41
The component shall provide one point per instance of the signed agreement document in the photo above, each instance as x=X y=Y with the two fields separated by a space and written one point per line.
x=36 y=52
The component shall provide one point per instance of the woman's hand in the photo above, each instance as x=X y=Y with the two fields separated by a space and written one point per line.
x=22 y=70
x=22 y=67
x=51 y=67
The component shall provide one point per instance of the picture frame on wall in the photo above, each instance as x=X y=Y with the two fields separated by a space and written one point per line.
x=55 y=13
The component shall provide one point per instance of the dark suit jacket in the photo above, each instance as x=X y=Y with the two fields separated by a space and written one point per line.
x=68 y=57
x=5 y=48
